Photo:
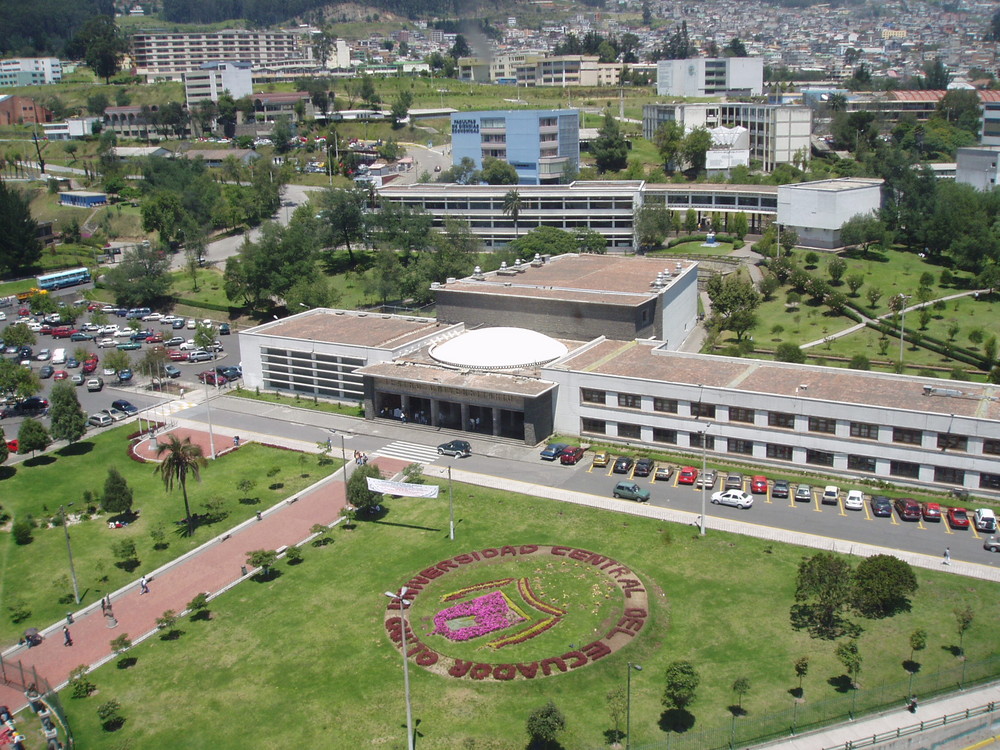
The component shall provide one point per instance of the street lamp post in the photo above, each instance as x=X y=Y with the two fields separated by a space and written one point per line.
x=208 y=408
x=704 y=465
x=69 y=551
x=403 y=604
x=628 y=703
x=451 y=509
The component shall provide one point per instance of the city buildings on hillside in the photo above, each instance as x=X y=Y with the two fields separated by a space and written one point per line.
x=778 y=134
x=211 y=79
x=710 y=76
x=30 y=71
x=542 y=145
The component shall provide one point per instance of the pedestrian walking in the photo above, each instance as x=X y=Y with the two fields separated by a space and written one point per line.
x=259 y=515
x=67 y=638
x=143 y=586
x=947 y=556
x=104 y=607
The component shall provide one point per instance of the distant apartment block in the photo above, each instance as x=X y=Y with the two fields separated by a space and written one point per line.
x=210 y=80
x=20 y=110
x=710 y=76
x=777 y=134
x=538 y=69
x=170 y=55
x=990 y=131
x=540 y=144
x=30 y=71
x=977 y=166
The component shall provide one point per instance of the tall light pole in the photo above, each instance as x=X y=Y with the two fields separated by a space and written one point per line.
x=403 y=604
x=628 y=704
x=69 y=551
x=704 y=466
x=903 y=299
x=208 y=407
x=451 y=508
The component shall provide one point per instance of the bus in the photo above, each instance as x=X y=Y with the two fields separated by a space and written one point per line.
x=61 y=279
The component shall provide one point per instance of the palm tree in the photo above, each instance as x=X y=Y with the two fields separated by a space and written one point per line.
x=512 y=207
x=183 y=457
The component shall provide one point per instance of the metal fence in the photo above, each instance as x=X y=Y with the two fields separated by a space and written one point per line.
x=26 y=679
x=743 y=731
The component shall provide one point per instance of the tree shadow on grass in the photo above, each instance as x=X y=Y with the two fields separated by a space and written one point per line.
x=127 y=565
x=537 y=743
x=911 y=666
x=6 y=472
x=126 y=662
x=40 y=461
x=202 y=615
x=841 y=683
x=171 y=635
x=870 y=255
x=796 y=692
x=954 y=650
x=266 y=576
x=76 y=449
x=113 y=725
x=676 y=720
x=614 y=737
x=736 y=710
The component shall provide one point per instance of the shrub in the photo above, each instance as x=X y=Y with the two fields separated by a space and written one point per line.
x=21 y=531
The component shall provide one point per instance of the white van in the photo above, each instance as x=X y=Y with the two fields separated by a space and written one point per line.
x=59 y=357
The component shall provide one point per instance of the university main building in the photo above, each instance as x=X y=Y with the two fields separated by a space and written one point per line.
x=589 y=345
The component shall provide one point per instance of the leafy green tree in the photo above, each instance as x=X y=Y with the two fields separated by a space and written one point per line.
x=32 y=436
x=741 y=686
x=850 y=656
x=544 y=239
x=617 y=703
x=882 y=586
x=735 y=48
x=4 y=451
x=117 y=497
x=263 y=559
x=823 y=589
x=18 y=334
x=669 y=139
x=609 y=148
x=182 y=458
x=860 y=362
x=836 y=268
x=103 y=45
x=801 y=669
x=936 y=77
x=20 y=248
x=125 y=553
x=401 y=108
x=963 y=621
x=17 y=381
x=680 y=685
x=918 y=642
x=68 y=420
x=874 y=294
x=342 y=211
x=854 y=282
x=496 y=172
x=140 y=278
x=695 y=148
x=384 y=278
x=590 y=241
x=734 y=298
x=652 y=225
x=544 y=725
x=739 y=225
x=358 y=494
x=463 y=173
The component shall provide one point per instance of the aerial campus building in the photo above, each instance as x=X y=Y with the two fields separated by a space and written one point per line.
x=589 y=346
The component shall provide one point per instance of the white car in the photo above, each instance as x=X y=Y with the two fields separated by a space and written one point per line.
x=100 y=420
x=169 y=318
x=855 y=500
x=191 y=324
x=90 y=327
x=986 y=520
x=831 y=495
x=109 y=330
x=187 y=346
x=107 y=344
x=3 y=315
x=44 y=355
x=123 y=333
x=109 y=372
x=738 y=498
x=153 y=316
x=34 y=325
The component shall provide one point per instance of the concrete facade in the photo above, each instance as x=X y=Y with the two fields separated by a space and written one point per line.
x=20 y=110
x=30 y=71
x=990 y=132
x=977 y=166
x=817 y=210
x=539 y=69
x=73 y=127
x=210 y=80
x=710 y=76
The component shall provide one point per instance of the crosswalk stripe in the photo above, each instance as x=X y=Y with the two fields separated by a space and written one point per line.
x=404 y=451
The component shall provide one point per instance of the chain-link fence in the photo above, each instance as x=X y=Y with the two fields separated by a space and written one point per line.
x=806 y=715
x=38 y=692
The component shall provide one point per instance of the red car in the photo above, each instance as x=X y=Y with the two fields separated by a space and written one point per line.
x=687 y=475
x=571 y=455
x=958 y=518
x=212 y=378
x=89 y=366
x=156 y=338
x=12 y=446
x=177 y=356
x=46 y=329
x=931 y=511
x=60 y=375
x=758 y=485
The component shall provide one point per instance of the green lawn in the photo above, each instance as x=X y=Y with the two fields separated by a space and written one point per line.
x=694 y=248
x=306 y=654
x=34 y=488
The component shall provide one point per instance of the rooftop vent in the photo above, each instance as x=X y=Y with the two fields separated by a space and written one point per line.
x=537 y=261
x=450 y=280
x=930 y=390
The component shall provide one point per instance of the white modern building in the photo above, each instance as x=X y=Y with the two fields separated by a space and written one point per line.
x=211 y=79
x=978 y=166
x=72 y=127
x=30 y=71
x=710 y=76
x=730 y=148
x=538 y=69
x=817 y=210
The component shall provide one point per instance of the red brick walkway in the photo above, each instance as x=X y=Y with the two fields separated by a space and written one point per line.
x=210 y=569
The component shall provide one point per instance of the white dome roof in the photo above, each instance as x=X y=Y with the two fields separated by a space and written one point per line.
x=498 y=349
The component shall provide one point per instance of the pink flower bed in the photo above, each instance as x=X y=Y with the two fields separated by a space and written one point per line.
x=489 y=612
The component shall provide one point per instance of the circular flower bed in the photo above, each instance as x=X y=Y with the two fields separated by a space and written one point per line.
x=461 y=616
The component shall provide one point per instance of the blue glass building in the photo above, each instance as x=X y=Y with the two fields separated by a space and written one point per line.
x=541 y=144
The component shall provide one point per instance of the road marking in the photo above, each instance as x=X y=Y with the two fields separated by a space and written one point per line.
x=414 y=452
x=843 y=511
x=813 y=498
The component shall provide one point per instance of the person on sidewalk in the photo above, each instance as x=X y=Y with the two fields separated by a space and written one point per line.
x=947 y=556
x=67 y=638
x=143 y=586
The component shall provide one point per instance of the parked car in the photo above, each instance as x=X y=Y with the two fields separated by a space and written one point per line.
x=758 y=484
x=223 y=329
x=551 y=451
x=129 y=346
x=200 y=356
x=46 y=371
x=601 y=458
x=212 y=378
x=172 y=371
x=191 y=324
x=31 y=406
x=831 y=495
x=12 y=446
x=631 y=491
x=168 y=319
x=153 y=317
x=125 y=376
x=780 y=488
x=663 y=473
x=107 y=343
x=232 y=372
x=460 y=448
x=177 y=356
x=81 y=336
x=931 y=511
x=804 y=493
x=60 y=375
x=116 y=414
x=992 y=544
x=907 y=508
x=108 y=371
x=734 y=481
x=125 y=406
x=89 y=366
x=156 y=338
x=95 y=384
x=174 y=341
x=643 y=467
x=623 y=465
x=572 y=455
x=100 y=420
x=706 y=480
x=44 y=355
x=958 y=518
x=687 y=475
x=855 y=500
x=985 y=520
x=142 y=335
x=737 y=498
x=881 y=506
x=72 y=363
x=178 y=324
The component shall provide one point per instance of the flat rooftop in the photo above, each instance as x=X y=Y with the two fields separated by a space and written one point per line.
x=349 y=327
x=609 y=279
x=835 y=186
x=647 y=361
x=445 y=377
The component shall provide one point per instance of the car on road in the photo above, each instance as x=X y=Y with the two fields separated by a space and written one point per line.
x=211 y=377
x=172 y=371
x=60 y=375
x=881 y=506
x=232 y=372
x=178 y=324
x=129 y=346
x=572 y=455
x=855 y=500
x=643 y=467
x=602 y=458
x=81 y=336
x=958 y=518
x=200 y=356
x=44 y=355
x=30 y=406
x=687 y=475
x=734 y=481
x=125 y=406
x=758 y=484
x=100 y=420
x=116 y=414
x=985 y=520
x=630 y=491
x=623 y=465
x=931 y=511
x=95 y=384
x=992 y=544
x=46 y=371
x=460 y=448
x=224 y=329
x=551 y=451
x=736 y=498
x=907 y=508
x=663 y=473
x=106 y=343
x=804 y=493
x=706 y=480
x=780 y=488
x=831 y=495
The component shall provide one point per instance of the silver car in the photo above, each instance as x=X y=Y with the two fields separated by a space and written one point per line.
x=736 y=498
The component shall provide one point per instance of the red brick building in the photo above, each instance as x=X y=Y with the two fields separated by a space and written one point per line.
x=17 y=110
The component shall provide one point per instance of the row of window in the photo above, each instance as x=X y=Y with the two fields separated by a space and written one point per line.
x=779 y=452
x=784 y=420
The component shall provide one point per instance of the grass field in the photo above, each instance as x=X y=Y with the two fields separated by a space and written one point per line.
x=307 y=656
x=39 y=486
